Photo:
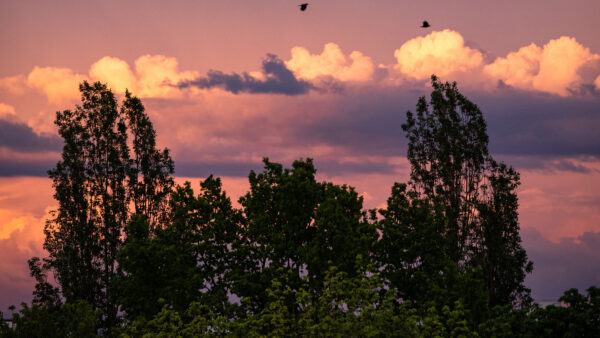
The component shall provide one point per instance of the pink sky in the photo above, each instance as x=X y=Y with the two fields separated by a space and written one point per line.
x=345 y=74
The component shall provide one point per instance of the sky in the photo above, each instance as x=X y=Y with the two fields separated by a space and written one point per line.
x=227 y=83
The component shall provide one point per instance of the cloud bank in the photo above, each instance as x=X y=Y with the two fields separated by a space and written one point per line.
x=555 y=68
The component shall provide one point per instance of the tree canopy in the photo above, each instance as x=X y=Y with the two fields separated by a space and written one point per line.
x=133 y=255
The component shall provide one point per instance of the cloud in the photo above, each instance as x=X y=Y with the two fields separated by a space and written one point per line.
x=7 y=112
x=559 y=266
x=562 y=66
x=25 y=202
x=532 y=123
x=553 y=68
x=441 y=53
x=115 y=72
x=21 y=237
x=14 y=84
x=155 y=75
x=60 y=85
x=20 y=137
x=275 y=78
x=331 y=62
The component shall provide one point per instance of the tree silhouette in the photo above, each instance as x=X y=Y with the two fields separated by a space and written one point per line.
x=452 y=168
x=94 y=183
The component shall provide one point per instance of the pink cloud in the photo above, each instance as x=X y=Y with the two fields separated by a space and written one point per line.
x=115 y=72
x=155 y=75
x=331 y=62
x=552 y=68
x=14 y=84
x=60 y=85
x=24 y=203
x=560 y=203
x=440 y=52
x=7 y=112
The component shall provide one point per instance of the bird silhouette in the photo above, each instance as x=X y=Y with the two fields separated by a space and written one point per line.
x=303 y=6
x=425 y=24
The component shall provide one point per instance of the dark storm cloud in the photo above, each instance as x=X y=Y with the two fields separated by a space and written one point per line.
x=22 y=138
x=278 y=80
x=571 y=263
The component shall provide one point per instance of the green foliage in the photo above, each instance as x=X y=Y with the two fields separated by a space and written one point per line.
x=154 y=267
x=297 y=223
x=353 y=307
x=166 y=265
x=578 y=317
x=69 y=320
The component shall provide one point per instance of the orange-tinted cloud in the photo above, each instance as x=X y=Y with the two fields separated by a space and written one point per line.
x=441 y=53
x=115 y=72
x=155 y=75
x=60 y=85
x=14 y=84
x=7 y=112
x=331 y=62
x=24 y=205
x=552 y=68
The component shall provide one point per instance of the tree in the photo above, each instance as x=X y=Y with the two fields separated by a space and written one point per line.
x=94 y=183
x=76 y=319
x=297 y=223
x=189 y=259
x=471 y=199
x=448 y=154
x=150 y=182
x=501 y=257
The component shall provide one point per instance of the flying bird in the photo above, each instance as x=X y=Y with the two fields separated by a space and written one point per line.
x=303 y=6
x=425 y=24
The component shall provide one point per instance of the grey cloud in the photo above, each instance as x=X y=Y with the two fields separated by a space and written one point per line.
x=550 y=163
x=527 y=130
x=279 y=80
x=21 y=137
x=571 y=263
x=539 y=128
x=26 y=168
x=522 y=123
